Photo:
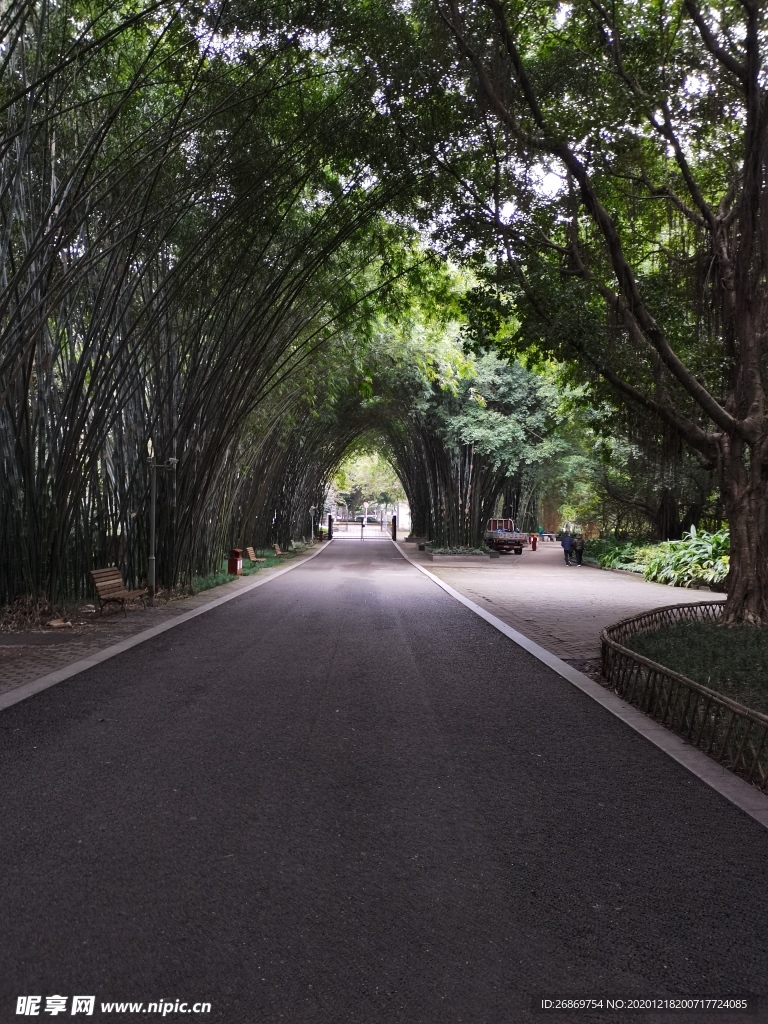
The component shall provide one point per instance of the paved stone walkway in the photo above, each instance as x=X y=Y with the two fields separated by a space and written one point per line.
x=563 y=609
x=25 y=657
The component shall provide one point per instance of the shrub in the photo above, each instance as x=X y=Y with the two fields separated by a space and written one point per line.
x=699 y=558
x=612 y=554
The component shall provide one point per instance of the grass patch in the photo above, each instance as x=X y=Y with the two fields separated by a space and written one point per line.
x=733 y=660
x=216 y=579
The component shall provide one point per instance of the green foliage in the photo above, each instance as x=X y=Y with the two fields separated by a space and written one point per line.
x=366 y=476
x=462 y=431
x=508 y=413
x=221 y=576
x=701 y=558
x=193 y=247
x=613 y=554
x=728 y=659
x=231 y=264
x=598 y=153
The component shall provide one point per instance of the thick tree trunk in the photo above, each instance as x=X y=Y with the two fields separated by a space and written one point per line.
x=745 y=492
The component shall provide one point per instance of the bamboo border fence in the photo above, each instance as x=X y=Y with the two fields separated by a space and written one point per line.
x=731 y=733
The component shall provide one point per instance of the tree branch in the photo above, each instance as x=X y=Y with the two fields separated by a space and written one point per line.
x=628 y=286
x=727 y=59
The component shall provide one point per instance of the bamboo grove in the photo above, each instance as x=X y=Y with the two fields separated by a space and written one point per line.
x=469 y=447
x=183 y=245
x=190 y=250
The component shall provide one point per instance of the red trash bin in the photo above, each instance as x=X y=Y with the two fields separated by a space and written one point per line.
x=235 y=564
x=534 y=541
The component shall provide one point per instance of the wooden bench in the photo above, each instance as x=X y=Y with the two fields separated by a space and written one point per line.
x=252 y=556
x=278 y=552
x=110 y=588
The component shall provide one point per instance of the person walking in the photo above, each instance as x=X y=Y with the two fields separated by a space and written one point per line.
x=578 y=548
x=567 y=546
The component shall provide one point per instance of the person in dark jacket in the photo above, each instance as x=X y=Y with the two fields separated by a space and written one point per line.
x=567 y=545
x=578 y=548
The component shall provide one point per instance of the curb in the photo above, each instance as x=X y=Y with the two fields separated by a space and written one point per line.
x=45 y=682
x=737 y=792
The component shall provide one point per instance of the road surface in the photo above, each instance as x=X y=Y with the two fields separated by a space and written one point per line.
x=343 y=797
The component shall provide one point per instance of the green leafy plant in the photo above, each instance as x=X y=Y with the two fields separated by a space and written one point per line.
x=612 y=554
x=699 y=558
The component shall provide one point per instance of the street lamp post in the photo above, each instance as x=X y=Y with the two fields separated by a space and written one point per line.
x=312 y=510
x=153 y=468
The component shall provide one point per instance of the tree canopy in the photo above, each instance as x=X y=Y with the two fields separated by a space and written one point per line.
x=225 y=227
x=605 y=174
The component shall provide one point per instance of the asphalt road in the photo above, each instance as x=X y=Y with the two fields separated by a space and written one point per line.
x=345 y=798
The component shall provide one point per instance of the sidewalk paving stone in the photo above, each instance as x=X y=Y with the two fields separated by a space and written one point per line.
x=562 y=608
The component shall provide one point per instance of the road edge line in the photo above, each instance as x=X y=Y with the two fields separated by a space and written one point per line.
x=34 y=686
x=735 y=790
